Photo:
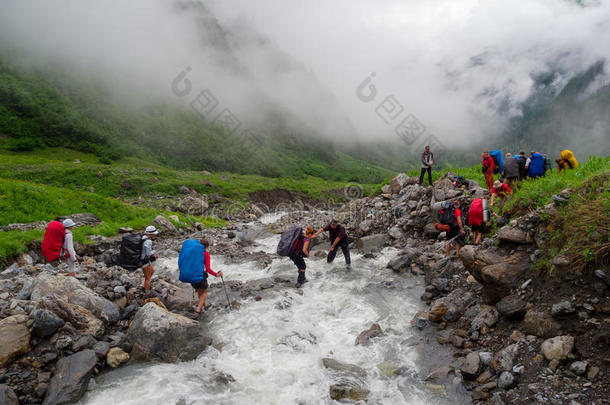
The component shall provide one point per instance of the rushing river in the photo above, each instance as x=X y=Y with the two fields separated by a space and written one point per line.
x=273 y=347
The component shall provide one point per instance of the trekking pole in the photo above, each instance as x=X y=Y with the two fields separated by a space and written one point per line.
x=224 y=287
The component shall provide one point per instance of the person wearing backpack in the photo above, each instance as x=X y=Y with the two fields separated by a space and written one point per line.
x=501 y=190
x=299 y=251
x=202 y=286
x=488 y=169
x=476 y=220
x=148 y=255
x=451 y=216
x=510 y=170
x=522 y=166
x=427 y=160
x=68 y=245
x=338 y=238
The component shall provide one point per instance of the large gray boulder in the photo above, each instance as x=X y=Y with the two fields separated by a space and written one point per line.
x=14 y=338
x=157 y=334
x=513 y=234
x=371 y=244
x=81 y=318
x=71 y=378
x=398 y=182
x=73 y=291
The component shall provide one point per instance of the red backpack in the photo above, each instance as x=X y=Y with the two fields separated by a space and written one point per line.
x=53 y=241
x=475 y=212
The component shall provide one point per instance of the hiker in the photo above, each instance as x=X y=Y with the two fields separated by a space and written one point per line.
x=510 y=170
x=55 y=248
x=302 y=250
x=148 y=255
x=202 y=287
x=535 y=165
x=568 y=156
x=338 y=238
x=522 y=168
x=427 y=160
x=501 y=190
x=476 y=220
x=562 y=165
x=488 y=169
x=68 y=245
x=450 y=215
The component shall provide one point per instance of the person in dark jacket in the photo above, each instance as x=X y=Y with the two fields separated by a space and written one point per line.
x=298 y=256
x=427 y=160
x=522 y=167
x=338 y=238
x=510 y=171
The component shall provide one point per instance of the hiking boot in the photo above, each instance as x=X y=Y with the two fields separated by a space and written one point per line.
x=348 y=267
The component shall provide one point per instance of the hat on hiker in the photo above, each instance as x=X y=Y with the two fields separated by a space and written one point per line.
x=497 y=184
x=68 y=223
x=334 y=222
x=151 y=230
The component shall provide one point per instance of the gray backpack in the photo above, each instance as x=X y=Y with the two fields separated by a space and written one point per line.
x=288 y=240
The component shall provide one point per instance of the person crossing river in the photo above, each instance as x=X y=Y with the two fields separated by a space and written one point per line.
x=338 y=238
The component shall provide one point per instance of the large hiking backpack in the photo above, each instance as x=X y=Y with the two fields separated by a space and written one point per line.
x=289 y=239
x=569 y=157
x=191 y=262
x=131 y=250
x=446 y=215
x=536 y=165
x=53 y=241
x=498 y=161
x=475 y=212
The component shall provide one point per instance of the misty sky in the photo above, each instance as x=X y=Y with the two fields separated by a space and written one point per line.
x=461 y=67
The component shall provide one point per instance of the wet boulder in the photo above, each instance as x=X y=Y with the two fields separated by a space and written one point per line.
x=400 y=264
x=371 y=244
x=71 y=378
x=336 y=365
x=157 y=334
x=451 y=307
x=116 y=357
x=365 y=336
x=348 y=389
x=14 y=338
x=74 y=292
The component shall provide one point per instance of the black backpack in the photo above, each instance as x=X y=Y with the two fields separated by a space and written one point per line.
x=131 y=250
x=446 y=216
x=286 y=246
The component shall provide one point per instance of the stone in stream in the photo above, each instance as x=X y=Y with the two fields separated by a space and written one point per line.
x=557 y=348
x=348 y=389
x=8 y=396
x=400 y=264
x=46 y=322
x=372 y=332
x=71 y=378
x=74 y=292
x=157 y=334
x=116 y=357
x=14 y=338
x=336 y=365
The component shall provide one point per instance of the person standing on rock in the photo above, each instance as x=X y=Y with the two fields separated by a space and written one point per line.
x=427 y=160
x=488 y=169
x=456 y=229
x=68 y=245
x=300 y=251
x=148 y=255
x=202 y=287
x=338 y=238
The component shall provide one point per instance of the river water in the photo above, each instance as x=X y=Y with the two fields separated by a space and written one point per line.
x=273 y=347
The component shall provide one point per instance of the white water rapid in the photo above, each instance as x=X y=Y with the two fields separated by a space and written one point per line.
x=273 y=347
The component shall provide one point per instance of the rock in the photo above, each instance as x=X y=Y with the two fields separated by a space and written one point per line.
x=116 y=357
x=514 y=235
x=71 y=378
x=11 y=272
x=451 y=307
x=26 y=291
x=486 y=358
x=387 y=189
x=487 y=316
x=437 y=311
x=119 y=291
x=562 y=262
x=439 y=374
x=540 y=324
x=15 y=338
x=84 y=342
x=372 y=332
x=156 y=333
x=593 y=372
x=557 y=348
x=389 y=369
x=74 y=292
x=336 y=365
x=400 y=264
x=164 y=224
x=395 y=232
x=505 y=358
x=365 y=226
x=470 y=365
x=8 y=396
x=511 y=307
x=579 y=367
x=348 y=390
x=79 y=317
x=398 y=182
x=430 y=231
x=46 y=322
x=506 y=380
x=193 y=205
x=83 y=219
x=101 y=348
x=371 y=244
x=602 y=275
x=563 y=309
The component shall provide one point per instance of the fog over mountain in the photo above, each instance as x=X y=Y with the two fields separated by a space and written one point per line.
x=464 y=69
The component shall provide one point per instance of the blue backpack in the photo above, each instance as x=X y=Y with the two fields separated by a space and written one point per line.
x=498 y=161
x=537 y=165
x=191 y=262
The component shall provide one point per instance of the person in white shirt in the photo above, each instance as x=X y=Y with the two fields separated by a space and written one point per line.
x=148 y=255
x=68 y=245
